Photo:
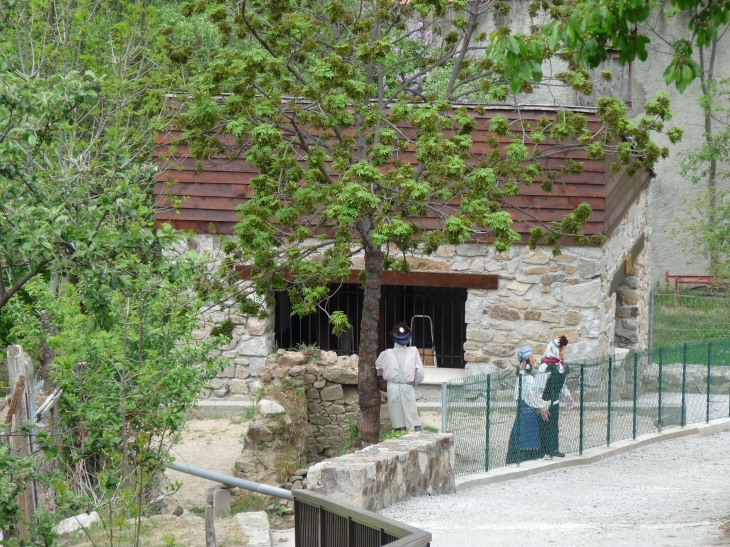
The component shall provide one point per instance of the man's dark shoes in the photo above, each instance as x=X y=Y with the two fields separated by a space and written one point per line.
x=558 y=454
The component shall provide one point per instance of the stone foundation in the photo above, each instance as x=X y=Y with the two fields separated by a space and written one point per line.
x=388 y=473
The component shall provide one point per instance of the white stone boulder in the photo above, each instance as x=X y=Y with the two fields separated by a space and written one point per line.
x=269 y=408
x=84 y=520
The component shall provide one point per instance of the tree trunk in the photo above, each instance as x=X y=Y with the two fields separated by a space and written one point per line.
x=706 y=77
x=369 y=426
x=48 y=354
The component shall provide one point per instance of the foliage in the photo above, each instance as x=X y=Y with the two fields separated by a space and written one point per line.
x=329 y=100
x=81 y=104
x=699 y=316
x=586 y=29
x=126 y=388
x=390 y=434
x=707 y=228
x=17 y=474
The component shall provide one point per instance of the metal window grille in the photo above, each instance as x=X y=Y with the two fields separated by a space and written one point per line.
x=444 y=306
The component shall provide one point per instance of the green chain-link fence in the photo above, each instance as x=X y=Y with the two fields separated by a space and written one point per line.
x=689 y=317
x=614 y=400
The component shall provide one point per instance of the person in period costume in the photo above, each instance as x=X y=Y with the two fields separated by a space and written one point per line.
x=550 y=383
x=524 y=442
x=402 y=368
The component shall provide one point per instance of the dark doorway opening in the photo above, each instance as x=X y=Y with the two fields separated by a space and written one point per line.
x=436 y=314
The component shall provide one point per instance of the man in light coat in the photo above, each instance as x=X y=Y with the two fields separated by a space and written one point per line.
x=402 y=368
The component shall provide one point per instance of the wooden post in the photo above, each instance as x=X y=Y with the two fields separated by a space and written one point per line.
x=209 y=519
x=20 y=375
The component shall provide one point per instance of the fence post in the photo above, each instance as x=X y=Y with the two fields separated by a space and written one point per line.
x=519 y=420
x=580 y=438
x=652 y=295
x=608 y=414
x=683 y=417
x=661 y=354
x=636 y=370
x=444 y=407
x=20 y=380
x=489 y=400
x=709 y=376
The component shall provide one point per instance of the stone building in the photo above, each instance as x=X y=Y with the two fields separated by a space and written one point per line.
x=471 y=306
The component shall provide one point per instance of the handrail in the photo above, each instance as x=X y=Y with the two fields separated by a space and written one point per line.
x=228 y=480
x=409 y=536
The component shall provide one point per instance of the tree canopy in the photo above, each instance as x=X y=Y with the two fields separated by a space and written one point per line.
x=328 y=99
x=587 y=29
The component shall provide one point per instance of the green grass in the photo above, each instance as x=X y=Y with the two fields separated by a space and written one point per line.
x=696 y=318
x=387 y=434
x=430 y=429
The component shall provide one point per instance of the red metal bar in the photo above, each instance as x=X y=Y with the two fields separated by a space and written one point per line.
x=690 y=280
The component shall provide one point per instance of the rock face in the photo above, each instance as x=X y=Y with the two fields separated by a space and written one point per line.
x=84 y=520
x=170 y=506
x=258 y=432
x=388 y=473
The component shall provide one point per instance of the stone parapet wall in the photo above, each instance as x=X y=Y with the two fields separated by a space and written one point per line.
x=420 y=464
x=330 y=385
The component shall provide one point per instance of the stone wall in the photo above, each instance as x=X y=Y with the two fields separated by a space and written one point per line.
x=630 y=305
x=539 y=297
x=420 y=464
x=330 y=385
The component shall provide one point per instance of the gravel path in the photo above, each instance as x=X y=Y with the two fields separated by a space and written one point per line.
x=675 y=493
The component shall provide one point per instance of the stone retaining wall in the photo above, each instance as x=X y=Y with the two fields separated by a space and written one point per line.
x=419 y=464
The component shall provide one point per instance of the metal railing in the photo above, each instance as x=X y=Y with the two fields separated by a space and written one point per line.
x=615 y=399
x=322 y=522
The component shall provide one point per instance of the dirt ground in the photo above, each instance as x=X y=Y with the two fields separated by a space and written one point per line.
x=212 y=444
x=160 y=531
x=674 y=494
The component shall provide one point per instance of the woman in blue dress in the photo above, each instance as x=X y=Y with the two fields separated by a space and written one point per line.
x=524 y=441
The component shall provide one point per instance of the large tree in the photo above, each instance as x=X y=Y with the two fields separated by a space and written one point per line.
x=326 y=98
x=81 y=101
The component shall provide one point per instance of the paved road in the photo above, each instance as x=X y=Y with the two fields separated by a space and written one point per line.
x=675 y=493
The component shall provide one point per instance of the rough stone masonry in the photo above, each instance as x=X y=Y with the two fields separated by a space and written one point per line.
x=419 y=464
x=330 y=385
x=540 y=296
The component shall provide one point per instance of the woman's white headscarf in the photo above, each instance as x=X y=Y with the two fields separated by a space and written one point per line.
x=553 y=349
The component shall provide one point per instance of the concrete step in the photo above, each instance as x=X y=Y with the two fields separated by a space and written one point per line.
x=255 y=528
x=209 y=408
x=282 y=538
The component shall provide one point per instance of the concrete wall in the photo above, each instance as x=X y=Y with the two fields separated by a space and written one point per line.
x=670 y=188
